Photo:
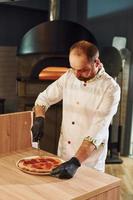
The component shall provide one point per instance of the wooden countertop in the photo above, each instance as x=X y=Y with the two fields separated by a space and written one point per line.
x=17 y=185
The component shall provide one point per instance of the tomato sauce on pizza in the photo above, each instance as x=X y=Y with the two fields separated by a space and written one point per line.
x=39 y=164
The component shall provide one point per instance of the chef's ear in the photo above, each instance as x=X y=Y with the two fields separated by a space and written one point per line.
x=97 y=60
x=98 y=63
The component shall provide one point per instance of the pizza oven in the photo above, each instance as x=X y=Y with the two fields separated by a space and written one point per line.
x=42 y=56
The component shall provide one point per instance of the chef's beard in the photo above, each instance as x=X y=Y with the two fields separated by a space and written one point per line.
x=85 y=79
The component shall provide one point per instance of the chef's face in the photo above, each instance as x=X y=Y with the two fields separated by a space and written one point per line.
x=82 y=67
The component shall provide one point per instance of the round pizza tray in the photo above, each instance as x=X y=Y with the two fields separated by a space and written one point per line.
x=36 y=173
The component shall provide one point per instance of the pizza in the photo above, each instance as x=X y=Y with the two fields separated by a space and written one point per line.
x=39 y=164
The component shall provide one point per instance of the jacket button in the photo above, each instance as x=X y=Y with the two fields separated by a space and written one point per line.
x=73 y=122
x=85 y=84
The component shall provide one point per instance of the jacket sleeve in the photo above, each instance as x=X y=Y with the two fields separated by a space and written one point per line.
x=103 y=116
x=52 y=94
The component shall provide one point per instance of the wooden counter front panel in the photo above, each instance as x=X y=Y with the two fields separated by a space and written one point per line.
x=113 y=194
x=15 y=131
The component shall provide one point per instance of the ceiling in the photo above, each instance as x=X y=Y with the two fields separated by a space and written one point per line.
x=34 y=4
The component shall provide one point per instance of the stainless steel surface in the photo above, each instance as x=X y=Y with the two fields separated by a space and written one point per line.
x=54 y=12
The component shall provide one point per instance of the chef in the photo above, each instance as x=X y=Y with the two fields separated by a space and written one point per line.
x=90 y=100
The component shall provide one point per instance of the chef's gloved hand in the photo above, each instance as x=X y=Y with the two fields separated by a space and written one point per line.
x=37 y=128
x=67 y=169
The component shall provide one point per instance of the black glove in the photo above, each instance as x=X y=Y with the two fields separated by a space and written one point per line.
x=67 y=169
x=37 y=128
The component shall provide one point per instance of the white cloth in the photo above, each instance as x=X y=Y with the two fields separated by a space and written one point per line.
x=87 y=111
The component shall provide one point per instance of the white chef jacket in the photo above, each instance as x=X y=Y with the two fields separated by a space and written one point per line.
x=88 y=109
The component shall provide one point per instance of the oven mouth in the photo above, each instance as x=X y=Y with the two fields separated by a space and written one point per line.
x=52 y=73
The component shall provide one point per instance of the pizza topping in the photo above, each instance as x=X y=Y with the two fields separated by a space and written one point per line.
x=42 y=165
x=32 y=161
x=39 y=164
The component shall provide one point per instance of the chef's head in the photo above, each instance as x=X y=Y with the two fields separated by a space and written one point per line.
x=84 y=60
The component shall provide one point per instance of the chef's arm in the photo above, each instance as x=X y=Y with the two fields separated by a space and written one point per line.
x=85 y=150
x=39 y=111
x=102 y=119
x=38 y=123
x=69 y=168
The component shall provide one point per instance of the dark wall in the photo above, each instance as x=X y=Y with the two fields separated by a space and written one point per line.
x=73 y=10
x=115 y=24
x=104 y=27
x=16 y=21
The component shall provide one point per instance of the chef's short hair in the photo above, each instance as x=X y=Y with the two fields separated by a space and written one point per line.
x=89 y=49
